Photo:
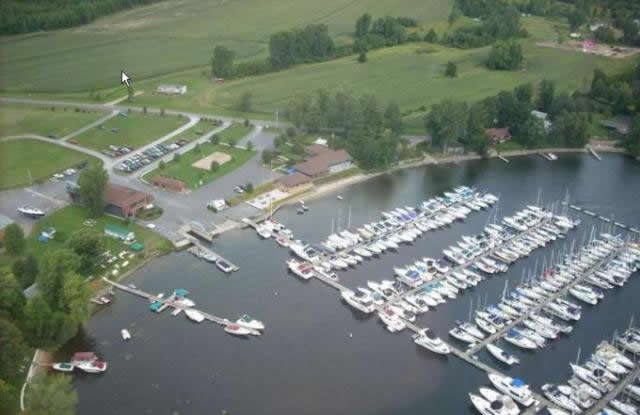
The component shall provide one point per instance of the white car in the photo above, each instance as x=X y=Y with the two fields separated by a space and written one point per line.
x=59 y=176
x=151 y=225
x=238 y=189
x=69 y=172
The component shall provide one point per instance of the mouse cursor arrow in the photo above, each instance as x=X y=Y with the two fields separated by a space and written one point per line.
x=124 y=79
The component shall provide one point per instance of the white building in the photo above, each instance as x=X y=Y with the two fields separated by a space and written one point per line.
x=171 y=89
x=544 y=117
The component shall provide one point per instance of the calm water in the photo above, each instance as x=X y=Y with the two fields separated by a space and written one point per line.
x=307 y=362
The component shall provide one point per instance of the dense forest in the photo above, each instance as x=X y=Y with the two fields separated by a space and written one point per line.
x=24 y=16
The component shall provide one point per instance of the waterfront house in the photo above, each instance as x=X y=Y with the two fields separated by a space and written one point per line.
x=498 y=135
x=621 y=125
x=325 y=162
x=294 y=183
x=544 y=117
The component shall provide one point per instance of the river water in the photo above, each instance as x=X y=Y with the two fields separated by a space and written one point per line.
x=318 y=356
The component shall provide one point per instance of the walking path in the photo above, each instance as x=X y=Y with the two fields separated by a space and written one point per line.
x=90 y=126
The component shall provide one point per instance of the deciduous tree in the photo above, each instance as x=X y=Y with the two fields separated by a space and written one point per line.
x=222 y=62
x=91 y=185
x=52 y=395
x=13 y=239
x=12 y=352
x=11 y=297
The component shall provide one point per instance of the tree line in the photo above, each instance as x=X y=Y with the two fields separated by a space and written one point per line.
x=17 y=16
x=364 y=127
x=451 y=121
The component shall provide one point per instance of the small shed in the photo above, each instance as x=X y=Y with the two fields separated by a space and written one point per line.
x=136 y=246
x=169 y=183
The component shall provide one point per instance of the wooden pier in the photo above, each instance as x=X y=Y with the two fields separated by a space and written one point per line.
x=593 y=152
x=199 y=247
x=561 y=293
x=329 y=281
x=167 y=302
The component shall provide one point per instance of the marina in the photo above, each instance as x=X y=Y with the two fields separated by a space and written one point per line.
x=347 y=340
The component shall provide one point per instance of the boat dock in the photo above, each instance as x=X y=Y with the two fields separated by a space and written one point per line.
x=198 y=248
x=593 y=152
x=330 y=282
x=605 y=219
x=595 y=409
x=561 y=293
x=198 y=230
x=503 y=158
x=167 y=302
x=465 y=265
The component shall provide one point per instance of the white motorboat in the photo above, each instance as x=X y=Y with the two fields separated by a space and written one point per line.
x=249 y=322
x=472 y=329
x=125 y=334
x=263 y=232
x=430 y=341
x=238 y=330
x=62 y=367
x=462 y=335
x=359 y=300
x=194 y=315
x=508 y=405
x=517 y=339
x=392 y=320
x=625 y=408
x=501 y=355
x=488 y=408
x=514 y=387
x=595 y=378
x=301 y=269
x=95 y=366
x=556 y=396
x=31 y=212
x=224 y=266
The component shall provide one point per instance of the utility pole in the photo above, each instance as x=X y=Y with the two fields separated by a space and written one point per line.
x=30 y=178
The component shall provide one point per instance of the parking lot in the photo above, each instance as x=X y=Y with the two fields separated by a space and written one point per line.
x=144 y=158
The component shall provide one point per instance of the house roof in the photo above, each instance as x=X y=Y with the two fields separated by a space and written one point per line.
x=295 y=179
x=498 y=134
x=315 y=149
x=123 y=196
x=620 y=124
x=322 y=162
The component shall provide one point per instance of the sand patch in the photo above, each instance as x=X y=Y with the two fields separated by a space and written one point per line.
x=205 y=163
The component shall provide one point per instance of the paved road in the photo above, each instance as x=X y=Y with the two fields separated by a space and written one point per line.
x=90 y=126
x=179 y=208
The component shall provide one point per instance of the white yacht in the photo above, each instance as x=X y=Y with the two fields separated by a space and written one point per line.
x=556 y=396
x=391 y=319
x=358 y=300
x=301 y=269
x=487 y=408
x=125 y=334
x=501 y=355
x=509 y=406
x=513 y=387
x=430 y=341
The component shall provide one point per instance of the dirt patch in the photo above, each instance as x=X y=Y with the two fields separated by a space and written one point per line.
x=205 y=163
x=599 y=49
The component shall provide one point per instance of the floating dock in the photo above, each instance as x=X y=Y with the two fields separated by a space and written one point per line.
x=503 y=158
x=561 y=293
x=465 y=265
x=167 y=302
x=604 y=219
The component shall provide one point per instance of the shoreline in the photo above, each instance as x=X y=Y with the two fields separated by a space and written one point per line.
x=429 y=160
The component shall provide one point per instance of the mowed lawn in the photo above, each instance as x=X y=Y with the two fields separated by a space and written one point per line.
x=18 y=158
x=23 y=119
x=175 y=35
x=133 y=130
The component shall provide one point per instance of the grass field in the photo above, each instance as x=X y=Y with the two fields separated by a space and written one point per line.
x=22 y=119
x=411 y=74
x=133 y=130
x=19 y=157
x=195 y=177
x=72 y=218
x=174 y=35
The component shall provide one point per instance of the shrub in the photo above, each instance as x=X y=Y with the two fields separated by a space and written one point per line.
x=248 y=187
x=14 y=239
x=161 y=165
x=451 y=70
x=214 y=166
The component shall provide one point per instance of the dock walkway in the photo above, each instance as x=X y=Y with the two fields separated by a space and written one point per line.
x=561 y=293
x=210 y=251
x=593 y=152
x=465 y=265
x=605 y=219
x=595 y=409
x=167 y=302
